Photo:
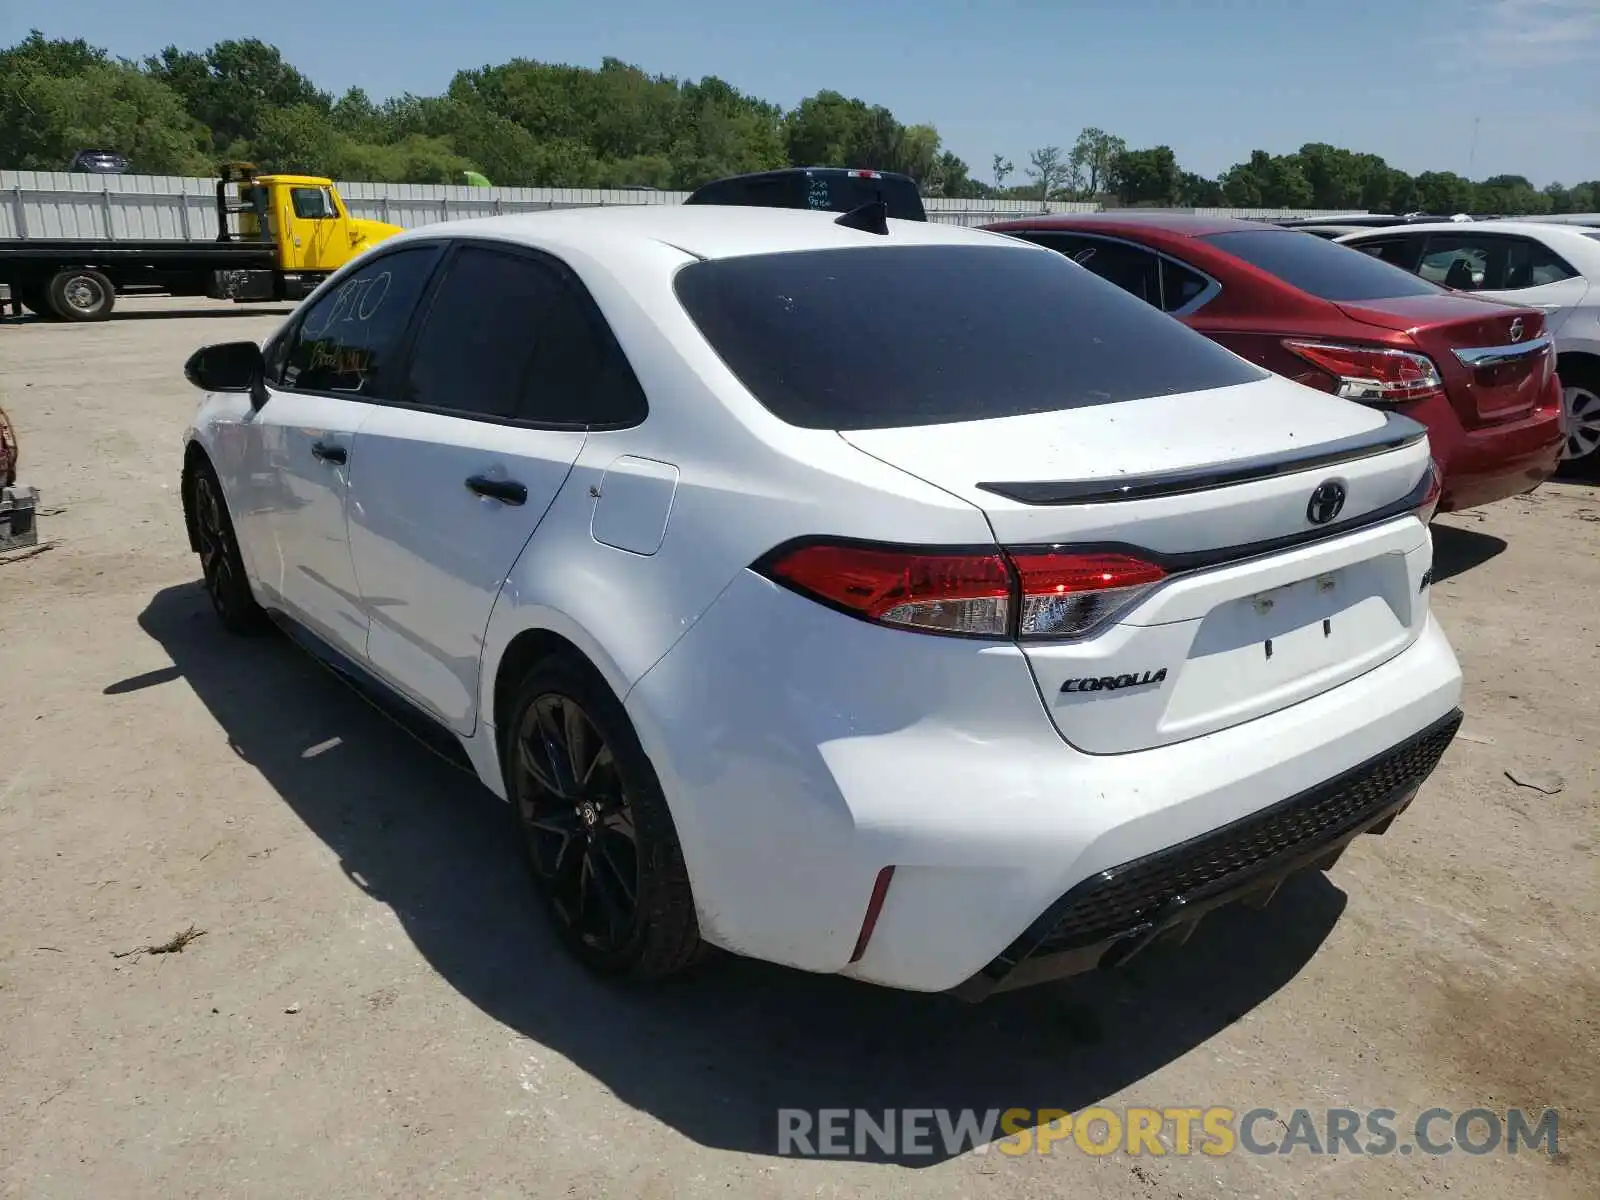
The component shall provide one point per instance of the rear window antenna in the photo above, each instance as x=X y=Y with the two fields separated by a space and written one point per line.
x=871 y=217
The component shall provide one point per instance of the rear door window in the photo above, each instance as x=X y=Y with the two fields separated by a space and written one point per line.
x=1155 y=279
x=1327 y=270
x=889 y=336
x=1491 y=262
x=512 y=336
x=1134 y=269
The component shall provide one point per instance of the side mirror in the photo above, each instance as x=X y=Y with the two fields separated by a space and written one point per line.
x=228 y=367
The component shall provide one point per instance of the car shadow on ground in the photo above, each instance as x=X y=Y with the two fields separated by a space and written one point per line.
x=716 y=1055
x=1457 y=550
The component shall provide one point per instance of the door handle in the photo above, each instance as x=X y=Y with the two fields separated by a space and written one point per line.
x=329 y=454
x=507 y=491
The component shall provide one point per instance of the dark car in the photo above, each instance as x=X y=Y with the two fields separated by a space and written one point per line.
x=1479 y=374
x=826 y=189
x=99 y=162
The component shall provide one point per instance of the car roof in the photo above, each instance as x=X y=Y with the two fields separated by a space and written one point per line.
x=704 y=231
x=1531 y=228
x=1179 y=224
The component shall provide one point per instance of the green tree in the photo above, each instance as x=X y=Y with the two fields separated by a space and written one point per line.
x=1336 y=176
x=1147 y=176
x=1444 y=192
x=1093 y=159
x=1048 y=169
x=46 y=118
x=234 y=87
x=1196 y=191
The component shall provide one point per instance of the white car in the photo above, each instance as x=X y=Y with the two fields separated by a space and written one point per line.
x=1541 y=264
x=873 y=597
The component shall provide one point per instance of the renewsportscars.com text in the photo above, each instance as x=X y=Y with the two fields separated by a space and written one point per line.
x=944 y=1132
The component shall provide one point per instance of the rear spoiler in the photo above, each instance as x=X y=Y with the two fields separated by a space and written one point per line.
x=1395 y=432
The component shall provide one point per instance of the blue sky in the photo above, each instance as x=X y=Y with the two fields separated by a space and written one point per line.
x=1406 y=79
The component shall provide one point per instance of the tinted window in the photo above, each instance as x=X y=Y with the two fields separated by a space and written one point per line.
x=1156 y=280
x=824 y=190
x=916 y=335
x=839 y=191
x=507 y=335
x=1324 y=269
x=1484 y=262
x=1132 y=268
x=1180 y=287
x=348 y=337
x=1397 y=251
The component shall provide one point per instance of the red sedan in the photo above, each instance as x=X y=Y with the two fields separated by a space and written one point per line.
x=1479 y=374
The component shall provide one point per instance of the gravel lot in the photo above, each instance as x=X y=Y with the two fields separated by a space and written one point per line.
x=375 y=1008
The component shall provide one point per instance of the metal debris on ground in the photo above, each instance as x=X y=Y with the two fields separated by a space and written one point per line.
x=1544 y=781
x=174 y=945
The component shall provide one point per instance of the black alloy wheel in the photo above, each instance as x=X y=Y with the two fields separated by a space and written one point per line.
x=221 y=566
x=599 y=836
x=579 y=826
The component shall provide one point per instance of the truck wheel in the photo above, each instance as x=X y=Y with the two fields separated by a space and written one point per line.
x=81 y=294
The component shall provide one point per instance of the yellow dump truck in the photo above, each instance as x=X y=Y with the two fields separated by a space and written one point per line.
x=278 y=237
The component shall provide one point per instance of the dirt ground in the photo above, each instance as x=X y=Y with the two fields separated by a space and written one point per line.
x=374 y=1007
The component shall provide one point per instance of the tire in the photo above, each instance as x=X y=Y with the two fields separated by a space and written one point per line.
x=583 y=840
x=1580 y=397
x=81 y=294
x=221 y=564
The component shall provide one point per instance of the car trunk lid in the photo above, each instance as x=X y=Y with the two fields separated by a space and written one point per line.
x=1268 y=596
x=1495 y=359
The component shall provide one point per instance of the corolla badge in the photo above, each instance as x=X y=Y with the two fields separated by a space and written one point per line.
x=1115 y=683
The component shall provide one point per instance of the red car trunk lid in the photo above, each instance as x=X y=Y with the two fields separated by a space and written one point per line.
x=1495 y=359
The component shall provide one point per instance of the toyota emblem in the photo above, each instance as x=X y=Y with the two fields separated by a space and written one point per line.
x=1516 y=330
x=1326 y=503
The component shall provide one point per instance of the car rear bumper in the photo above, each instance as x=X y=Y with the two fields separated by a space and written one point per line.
x=803 y=752
x=1110 y=917
x=1484 y=465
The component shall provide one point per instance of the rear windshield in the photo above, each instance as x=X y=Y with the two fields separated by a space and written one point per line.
x=1324 y=269
x=835 y=191
x=891 y=336
x=824 y=190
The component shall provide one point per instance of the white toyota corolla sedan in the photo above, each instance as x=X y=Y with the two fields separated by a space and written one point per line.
x=881 y=598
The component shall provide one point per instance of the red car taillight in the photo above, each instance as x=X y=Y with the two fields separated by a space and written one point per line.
x=1371 y=374
x=1024 y=594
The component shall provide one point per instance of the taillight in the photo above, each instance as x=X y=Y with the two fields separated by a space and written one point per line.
x=1066 y=595
x=938 y=592
x=1430 y=499
x=1024 y=593
x=1371 y=374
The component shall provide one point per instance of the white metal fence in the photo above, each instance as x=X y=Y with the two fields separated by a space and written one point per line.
x=58 y=204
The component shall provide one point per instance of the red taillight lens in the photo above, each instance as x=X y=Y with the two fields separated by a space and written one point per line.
x=1430 y=501
x=1373 y=375
x=1066 y=595
x=1025 y=594
x=944 y=593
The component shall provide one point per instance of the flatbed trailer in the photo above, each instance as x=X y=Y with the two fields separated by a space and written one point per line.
x=280 y=236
